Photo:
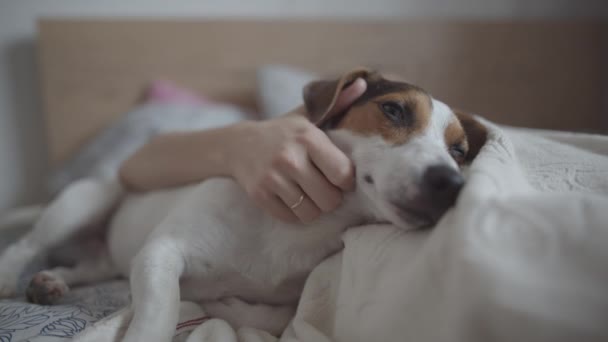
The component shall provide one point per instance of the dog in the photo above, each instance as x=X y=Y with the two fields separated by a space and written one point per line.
x=208 y=243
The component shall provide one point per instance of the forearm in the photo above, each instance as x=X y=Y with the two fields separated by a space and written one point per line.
x=181 y=158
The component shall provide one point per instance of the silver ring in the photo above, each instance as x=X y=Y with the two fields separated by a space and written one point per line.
x=298 y=202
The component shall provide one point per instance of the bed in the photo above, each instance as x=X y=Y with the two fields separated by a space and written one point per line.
x=547 y=75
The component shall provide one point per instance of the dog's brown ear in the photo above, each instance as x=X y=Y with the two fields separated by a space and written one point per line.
x=476 y=133
x=320 y=96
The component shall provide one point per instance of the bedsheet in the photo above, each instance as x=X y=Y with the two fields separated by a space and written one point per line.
x=22 y=321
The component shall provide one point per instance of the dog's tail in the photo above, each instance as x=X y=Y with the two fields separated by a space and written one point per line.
x=21 y=216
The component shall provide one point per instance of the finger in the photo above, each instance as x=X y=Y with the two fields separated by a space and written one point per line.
x=290 y=193
x=331 y=161
x=321 y=191
x=349 y=95
x=307 y=211
x=275 y=206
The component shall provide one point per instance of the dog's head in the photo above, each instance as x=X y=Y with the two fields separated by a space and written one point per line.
x=407 y=147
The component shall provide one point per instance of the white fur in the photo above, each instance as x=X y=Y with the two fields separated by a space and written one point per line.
x=208 y=241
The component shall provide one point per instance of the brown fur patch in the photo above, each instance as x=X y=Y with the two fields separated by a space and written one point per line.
x=476 y=133
x=368 y=119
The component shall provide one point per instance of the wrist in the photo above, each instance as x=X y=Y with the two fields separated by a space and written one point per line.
x=239 y=135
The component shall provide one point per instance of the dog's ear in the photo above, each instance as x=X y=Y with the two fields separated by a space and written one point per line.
x=320 y=96
x=476 y=133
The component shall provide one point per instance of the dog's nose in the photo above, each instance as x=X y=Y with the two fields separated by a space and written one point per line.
x=442 y=184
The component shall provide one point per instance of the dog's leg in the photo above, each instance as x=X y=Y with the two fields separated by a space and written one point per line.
x=48 y=286
x=82 y=204
x=155 y=291
x=270 y=318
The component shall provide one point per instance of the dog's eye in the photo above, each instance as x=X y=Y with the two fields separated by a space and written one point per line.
x=396 y=112
x=457 y=152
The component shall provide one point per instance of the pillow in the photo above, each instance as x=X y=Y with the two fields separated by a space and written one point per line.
x=168 y=108
x=279 y=89
x=168 y=92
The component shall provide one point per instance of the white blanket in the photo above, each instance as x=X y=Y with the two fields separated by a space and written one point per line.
x=522 y=257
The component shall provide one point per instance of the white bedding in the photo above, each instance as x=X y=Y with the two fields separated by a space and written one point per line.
x=522 y=257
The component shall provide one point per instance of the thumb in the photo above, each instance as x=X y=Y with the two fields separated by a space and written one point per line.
x=349 y=95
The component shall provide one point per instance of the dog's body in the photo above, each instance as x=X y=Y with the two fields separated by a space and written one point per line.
x=208 y=242
x=262 y=259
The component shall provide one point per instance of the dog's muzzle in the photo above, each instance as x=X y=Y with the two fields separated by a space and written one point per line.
x=442 y=185
x=438 y=190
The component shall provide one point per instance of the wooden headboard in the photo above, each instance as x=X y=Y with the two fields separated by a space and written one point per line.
x=544 y=74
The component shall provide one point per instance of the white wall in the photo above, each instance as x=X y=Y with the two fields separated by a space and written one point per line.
x=23 y=162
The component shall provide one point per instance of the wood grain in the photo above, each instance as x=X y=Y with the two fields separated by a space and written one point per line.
x=544 y=74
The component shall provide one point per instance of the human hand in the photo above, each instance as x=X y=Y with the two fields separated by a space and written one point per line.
x=289 y=167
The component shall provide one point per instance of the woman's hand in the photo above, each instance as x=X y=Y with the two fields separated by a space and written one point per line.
x=290 y=167
x=287 y=165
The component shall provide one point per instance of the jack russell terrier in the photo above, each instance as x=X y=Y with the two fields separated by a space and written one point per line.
x=208 y=243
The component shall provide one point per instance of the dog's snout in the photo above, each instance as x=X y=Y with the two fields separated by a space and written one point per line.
x=442 y=183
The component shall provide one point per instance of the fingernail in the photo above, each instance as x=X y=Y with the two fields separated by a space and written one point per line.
x=360 y=83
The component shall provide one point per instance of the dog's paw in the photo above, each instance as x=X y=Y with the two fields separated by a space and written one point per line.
x=46 y=288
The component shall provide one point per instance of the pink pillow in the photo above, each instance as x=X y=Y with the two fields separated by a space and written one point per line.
x=165 y=91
